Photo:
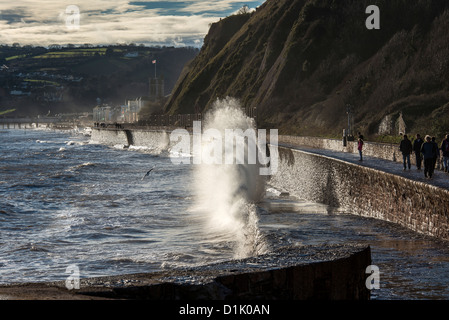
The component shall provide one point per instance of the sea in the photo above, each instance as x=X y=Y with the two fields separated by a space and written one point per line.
x=66 y=200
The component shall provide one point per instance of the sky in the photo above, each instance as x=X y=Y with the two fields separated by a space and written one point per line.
x=102 y=22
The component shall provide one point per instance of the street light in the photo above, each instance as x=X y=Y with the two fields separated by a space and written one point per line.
x=349 y=112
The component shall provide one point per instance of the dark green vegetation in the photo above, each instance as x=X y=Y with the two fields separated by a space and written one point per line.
x=69 y=79
x=300 y=62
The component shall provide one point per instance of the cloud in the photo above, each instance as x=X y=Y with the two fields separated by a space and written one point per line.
x=228 y=6
x=109 y=22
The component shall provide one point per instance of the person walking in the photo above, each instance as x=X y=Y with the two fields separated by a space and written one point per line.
x=428 y=151
x=360 y=146
x=437 y=154
x=406 y=148
x=445 y=153
x=417 y=149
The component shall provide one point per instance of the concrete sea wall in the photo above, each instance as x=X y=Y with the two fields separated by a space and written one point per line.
x=333 y=272
x=364 y=191
x=158 y=139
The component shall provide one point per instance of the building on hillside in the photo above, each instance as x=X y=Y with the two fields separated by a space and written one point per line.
x=19 y=93
x=132 y=111
x=133 y=54
x=129 y=112
x=105 y=114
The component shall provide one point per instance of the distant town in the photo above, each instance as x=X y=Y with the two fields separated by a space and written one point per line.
x=110 y=83
x=131 y=110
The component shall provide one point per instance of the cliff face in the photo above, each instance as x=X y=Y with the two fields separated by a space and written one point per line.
x=300 y=62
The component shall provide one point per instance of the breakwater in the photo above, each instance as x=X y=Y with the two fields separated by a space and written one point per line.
x=159 y=139
x=334 y=272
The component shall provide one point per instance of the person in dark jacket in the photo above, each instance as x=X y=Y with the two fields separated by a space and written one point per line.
x=417 y=149
x=437 y=154
x=406 y=148
x=445 y=152
x=428 y=151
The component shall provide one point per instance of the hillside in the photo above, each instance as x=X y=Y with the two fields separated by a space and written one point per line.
x=34 y=80
x=301 y=62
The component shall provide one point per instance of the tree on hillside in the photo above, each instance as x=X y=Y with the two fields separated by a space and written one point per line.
x=244 y=10
x=109 y=52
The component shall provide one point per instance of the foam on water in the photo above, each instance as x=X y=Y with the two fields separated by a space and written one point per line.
x=226 y=194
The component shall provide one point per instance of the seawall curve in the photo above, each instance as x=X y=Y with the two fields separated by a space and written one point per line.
x=364 y=191
x=360 y=190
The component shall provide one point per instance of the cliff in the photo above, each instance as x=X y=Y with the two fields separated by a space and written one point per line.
x=301 y=62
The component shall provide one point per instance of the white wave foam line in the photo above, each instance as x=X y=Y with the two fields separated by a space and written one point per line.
x=226 y=193
x=274 y=191
x=78 y=143
x=180 y=154
x=139 y=148
x=83 y=165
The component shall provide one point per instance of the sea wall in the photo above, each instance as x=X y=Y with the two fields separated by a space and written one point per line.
x=161 y=139
x=364 y=191
x=157 y=139
x=379 y=150
x=109 y=137
x=332 y=272
x=356 y=189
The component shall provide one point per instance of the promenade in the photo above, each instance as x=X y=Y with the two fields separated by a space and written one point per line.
x=440 y=178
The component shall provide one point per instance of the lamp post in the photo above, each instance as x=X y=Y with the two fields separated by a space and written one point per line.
x=349 y=112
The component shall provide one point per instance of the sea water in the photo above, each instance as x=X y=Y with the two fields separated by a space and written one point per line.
x=67 y=201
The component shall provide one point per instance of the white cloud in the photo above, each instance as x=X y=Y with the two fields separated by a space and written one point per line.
x=214 y=6
x=104 y=22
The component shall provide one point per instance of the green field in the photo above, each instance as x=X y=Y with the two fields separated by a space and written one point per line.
x=6 y=111
x=16 y=57
x=42 y=81
x=84 y=52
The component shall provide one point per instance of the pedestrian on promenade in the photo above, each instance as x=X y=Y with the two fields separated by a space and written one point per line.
x=417 y=149
x=360 y=146
x=445 y=151
x=406 y=148
x=437 y=155
x=428 y=151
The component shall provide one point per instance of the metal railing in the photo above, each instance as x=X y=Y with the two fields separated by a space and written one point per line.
x=165 y=120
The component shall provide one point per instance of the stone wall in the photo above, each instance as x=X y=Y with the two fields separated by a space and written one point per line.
x=379 y=150
x=109 y=137
x=339 y=279
x=364 y=191
x=158 y=139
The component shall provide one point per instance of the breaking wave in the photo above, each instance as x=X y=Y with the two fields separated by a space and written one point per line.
x=226 y=194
